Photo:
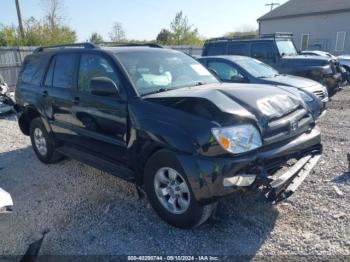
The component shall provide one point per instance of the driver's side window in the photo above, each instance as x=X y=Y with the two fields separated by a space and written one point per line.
x=224 y=71
x=92 y=66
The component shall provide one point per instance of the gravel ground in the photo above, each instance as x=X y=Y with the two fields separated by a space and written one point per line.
x=86 y=211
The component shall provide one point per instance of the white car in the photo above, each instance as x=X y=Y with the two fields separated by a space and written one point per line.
x=6 y=202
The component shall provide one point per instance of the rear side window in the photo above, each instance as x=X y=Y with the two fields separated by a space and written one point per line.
x=64 y=71
x=262 y=51
x=238 y=49
x=33 y=70
x=49 y=75
x=216 y=49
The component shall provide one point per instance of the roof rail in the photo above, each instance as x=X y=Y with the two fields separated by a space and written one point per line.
x=86 y=45
x=231 y=38
x=278 y=35
x=116 y=44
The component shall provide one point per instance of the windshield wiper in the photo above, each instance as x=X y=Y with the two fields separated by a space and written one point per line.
x=201 y=83
x=160 y=90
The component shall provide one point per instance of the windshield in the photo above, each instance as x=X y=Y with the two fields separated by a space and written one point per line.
x=157 y=70
x=256 y=68
x=286 y=47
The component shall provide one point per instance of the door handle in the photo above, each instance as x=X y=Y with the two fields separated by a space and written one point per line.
x=44 y=93
x=76 y=100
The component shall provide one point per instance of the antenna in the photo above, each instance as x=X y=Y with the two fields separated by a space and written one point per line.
x=272 y=5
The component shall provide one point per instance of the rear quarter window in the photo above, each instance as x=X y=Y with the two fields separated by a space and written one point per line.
x=33 y=70
x=64 y=72
x=238 y=49
x=216 y=49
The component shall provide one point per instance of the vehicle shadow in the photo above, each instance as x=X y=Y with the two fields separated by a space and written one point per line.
x=343 y=178
x=88 y=212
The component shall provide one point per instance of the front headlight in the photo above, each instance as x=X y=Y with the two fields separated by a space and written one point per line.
x=327 y=70
x=306 y=97
x=238 y=139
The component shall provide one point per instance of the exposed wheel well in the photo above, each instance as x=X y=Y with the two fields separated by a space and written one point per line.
x=26 y=118
x=148 y=154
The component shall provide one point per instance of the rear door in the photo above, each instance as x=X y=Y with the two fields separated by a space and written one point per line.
x=100 y=121
x=57 y=94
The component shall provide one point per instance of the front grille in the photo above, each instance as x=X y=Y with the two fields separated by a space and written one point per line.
x=320 y=94
x=292 y=124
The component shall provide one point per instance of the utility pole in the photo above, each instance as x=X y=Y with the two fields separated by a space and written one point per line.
x=272 y=5
x=20 y=23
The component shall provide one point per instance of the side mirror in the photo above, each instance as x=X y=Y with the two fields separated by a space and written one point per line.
x=238 y=78
x=6 y=202
x=103 y=86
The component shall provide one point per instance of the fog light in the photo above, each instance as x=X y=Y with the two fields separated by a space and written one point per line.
x=243 y=180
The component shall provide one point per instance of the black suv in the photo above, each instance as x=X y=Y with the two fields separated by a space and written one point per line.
x=278 y=51
x=158 y=118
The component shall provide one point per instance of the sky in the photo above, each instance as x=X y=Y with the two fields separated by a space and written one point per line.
x=143 y=19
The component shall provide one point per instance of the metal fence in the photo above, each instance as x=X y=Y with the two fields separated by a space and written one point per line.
x=188 y=49
x=10 y=62
x=11 y=59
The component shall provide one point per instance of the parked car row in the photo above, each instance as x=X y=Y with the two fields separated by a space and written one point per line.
x=158 y=118
x=342 y=62
x=278 y=51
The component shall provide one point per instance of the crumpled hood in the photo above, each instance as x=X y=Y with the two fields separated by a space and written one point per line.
x=256 y=102
x=294 y=81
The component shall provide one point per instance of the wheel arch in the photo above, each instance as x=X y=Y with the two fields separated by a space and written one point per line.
x=25 y=117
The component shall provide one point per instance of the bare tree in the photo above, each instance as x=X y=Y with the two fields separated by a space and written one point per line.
x=53 y=11
x=117 y=34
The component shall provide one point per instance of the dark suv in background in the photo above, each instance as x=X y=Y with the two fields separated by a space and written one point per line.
x=158 y=118
x=278 y=51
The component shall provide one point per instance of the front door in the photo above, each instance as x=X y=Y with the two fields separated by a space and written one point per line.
x=265 y=53
x=100 y=121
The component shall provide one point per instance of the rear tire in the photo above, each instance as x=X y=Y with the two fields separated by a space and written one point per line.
x=170 y=193
x=43 y=143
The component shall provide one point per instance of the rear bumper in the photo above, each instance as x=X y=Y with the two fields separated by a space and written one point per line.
x=207 y=174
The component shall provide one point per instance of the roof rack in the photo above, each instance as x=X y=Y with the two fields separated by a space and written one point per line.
x=86 y=45
x=231 y=38
x=278 y=35
x=116 y=44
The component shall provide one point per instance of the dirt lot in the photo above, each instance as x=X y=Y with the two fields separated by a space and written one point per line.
x=86 y=211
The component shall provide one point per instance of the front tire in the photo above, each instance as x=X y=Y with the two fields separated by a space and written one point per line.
x=43 y=143
x=170 y=193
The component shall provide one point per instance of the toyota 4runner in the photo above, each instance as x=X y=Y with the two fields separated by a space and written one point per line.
x=159 y=119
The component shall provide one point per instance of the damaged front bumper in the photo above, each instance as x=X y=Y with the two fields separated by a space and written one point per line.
x=279 y=188
x=277 y=171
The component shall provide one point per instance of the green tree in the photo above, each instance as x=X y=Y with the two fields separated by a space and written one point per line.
x=48 y=31
x=8 y=36
x=244 y=31
x=96 y=38
x=164 y=37
x=117 y=34
x=183 y=33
